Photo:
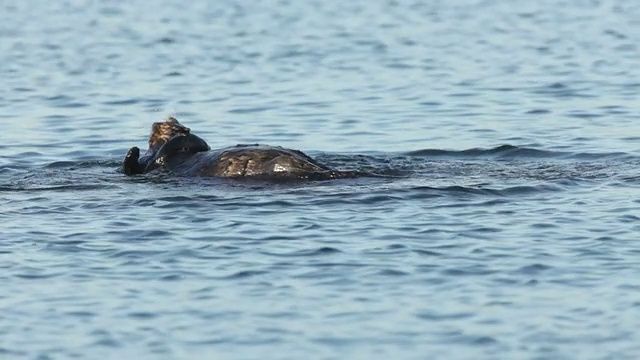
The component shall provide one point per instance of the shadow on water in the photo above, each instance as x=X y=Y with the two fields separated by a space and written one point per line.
x=501 y=171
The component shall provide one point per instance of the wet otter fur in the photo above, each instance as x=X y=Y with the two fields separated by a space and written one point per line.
x=161 y=133
x=172 y=146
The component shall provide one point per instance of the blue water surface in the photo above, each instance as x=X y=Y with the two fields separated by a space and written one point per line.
x=506 y=225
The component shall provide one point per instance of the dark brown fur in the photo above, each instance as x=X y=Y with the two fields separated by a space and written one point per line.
x=161 y=132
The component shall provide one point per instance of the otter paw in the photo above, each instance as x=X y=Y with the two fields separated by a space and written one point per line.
x=130 y=163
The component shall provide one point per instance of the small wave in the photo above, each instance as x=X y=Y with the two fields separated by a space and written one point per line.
x=61 y=165
x=513 y=152
x=121 y=102
x=74 y=187
x=326 y=250
x=421 y=191
x=244 y=274
x=503 y=151
x=81 y=164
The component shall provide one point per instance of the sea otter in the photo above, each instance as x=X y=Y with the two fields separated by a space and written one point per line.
x=172 y=146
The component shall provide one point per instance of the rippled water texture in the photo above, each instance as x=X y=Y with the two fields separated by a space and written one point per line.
x=505 y=227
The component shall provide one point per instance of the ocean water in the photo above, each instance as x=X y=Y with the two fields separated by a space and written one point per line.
x=506 y=227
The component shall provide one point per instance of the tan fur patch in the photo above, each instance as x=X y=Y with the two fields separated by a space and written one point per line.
x=161 y=132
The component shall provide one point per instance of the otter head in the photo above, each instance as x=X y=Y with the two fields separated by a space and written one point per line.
x=178 y=140
x=162 y=132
